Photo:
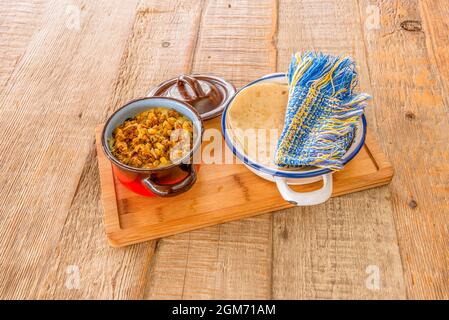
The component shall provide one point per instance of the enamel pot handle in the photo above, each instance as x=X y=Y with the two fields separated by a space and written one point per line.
x=169 y=190
x=191 y=82
x=305 y=198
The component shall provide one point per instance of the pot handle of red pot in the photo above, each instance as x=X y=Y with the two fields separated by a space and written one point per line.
x=169 y=190
x=305 y=198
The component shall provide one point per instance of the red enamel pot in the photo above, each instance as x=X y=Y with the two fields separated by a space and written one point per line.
x=170 y=180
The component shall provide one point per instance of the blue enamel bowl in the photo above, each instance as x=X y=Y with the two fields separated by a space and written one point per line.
x=271 y=172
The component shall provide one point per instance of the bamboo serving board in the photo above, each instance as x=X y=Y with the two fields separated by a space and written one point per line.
x=222 y=193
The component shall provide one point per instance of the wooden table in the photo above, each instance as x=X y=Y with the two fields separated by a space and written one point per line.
x=66 y=65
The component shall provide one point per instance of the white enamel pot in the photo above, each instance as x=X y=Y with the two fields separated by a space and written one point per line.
x=284 y=178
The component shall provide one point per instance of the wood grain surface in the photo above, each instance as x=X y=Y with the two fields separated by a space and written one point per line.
x=65 y=66
x=413 y=111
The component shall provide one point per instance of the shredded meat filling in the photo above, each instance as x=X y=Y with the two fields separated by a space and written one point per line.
x=151 y=139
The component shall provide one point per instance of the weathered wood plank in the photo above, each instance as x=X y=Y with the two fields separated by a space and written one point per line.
x=49 y=109
x=435 y=23
x=158 y=35
x=229 y=261
x=325 y=252
x=82 y=265
x=408 y=72
x=232 y=260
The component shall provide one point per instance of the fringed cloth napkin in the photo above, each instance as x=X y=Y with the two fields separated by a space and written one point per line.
x=322 y=111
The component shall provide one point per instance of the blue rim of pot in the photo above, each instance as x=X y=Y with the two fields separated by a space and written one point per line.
x=271 y=171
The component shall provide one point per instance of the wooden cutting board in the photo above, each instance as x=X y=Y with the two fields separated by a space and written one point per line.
x=222 y=193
